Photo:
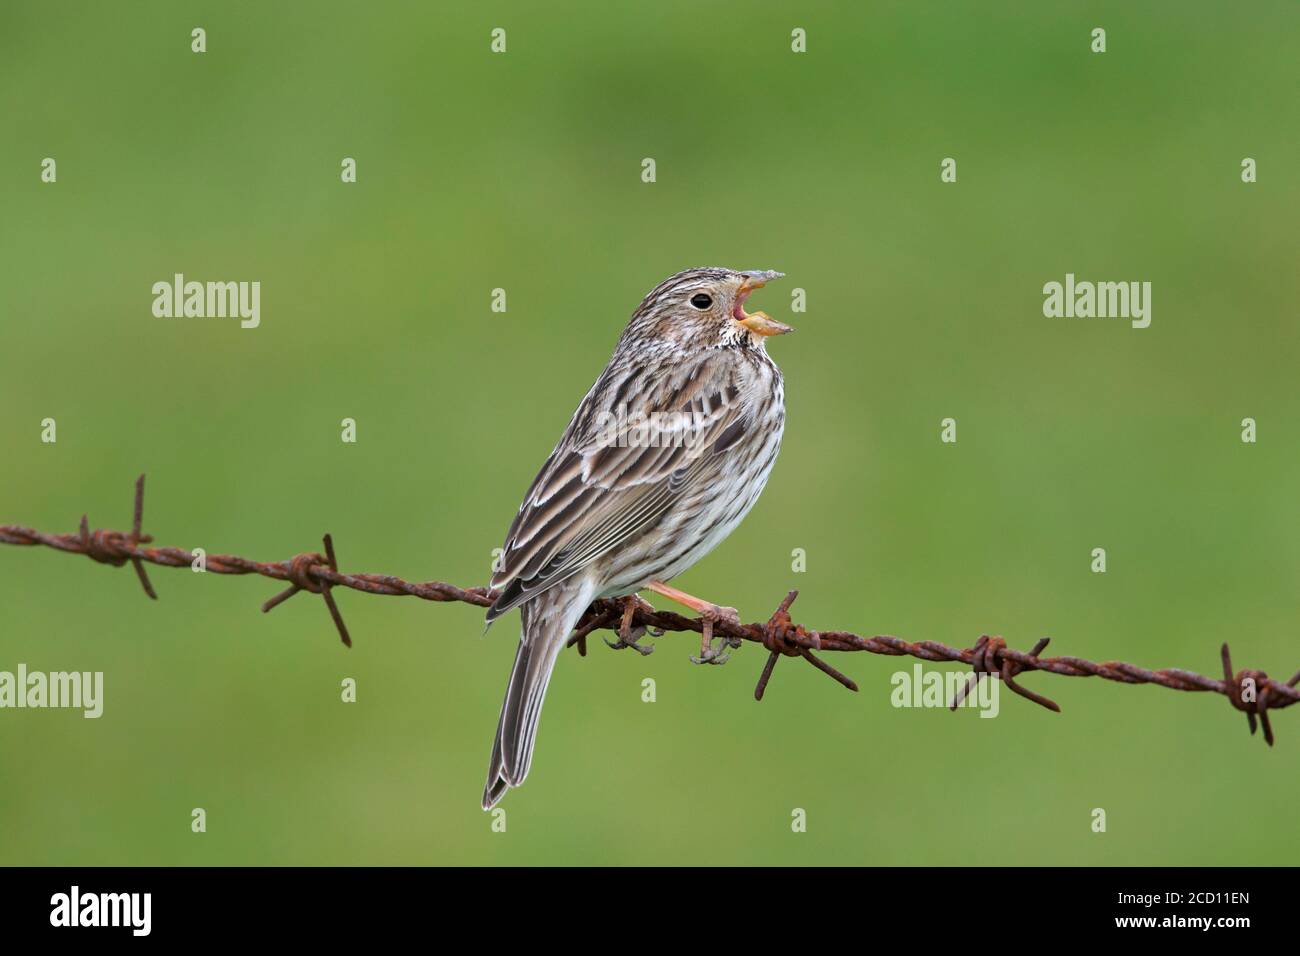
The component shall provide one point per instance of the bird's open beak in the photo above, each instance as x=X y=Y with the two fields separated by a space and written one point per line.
x=760 y=323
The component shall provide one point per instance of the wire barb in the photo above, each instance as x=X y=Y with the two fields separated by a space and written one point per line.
x=115 y=548
x=1250 y=691
x=986 y=662
x=304 y=573
x=137 y=518
x=782 y=637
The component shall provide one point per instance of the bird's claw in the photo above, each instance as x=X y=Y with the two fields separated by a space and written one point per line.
x=630 y=640
x=712 y=655
x=627 y=634
x=709 y=654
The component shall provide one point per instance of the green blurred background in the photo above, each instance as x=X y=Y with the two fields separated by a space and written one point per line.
x=522 y=171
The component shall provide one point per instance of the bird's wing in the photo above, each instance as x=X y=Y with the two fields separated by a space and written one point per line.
x=604 y=483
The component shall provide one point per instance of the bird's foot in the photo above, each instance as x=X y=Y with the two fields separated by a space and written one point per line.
x=713 y=655
x=631 y=641
x=628 y=635
x=709 y=614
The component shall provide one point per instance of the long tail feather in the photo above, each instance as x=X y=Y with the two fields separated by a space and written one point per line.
x=548 y=619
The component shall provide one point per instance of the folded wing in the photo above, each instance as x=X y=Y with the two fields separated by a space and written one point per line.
x=638 y=441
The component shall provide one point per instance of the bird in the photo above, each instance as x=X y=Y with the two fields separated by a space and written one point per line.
x=663 y=458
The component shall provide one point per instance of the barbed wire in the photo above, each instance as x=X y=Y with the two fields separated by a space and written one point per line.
x=1250 y=691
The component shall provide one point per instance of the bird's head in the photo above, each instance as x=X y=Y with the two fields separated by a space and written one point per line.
x=704 y=308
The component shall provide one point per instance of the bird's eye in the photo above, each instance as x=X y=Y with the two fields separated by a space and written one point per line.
x=701 y=301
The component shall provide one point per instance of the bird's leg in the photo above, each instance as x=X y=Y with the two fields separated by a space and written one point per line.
x=703 y=608
x=627 y=634
x=709 y=613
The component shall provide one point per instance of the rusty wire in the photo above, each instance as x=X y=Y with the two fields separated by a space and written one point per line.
x=1250 y=691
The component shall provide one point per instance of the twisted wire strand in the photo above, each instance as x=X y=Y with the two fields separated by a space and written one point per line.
x=1250 y=691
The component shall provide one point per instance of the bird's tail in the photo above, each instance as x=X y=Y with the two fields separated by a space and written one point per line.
x=548 y=619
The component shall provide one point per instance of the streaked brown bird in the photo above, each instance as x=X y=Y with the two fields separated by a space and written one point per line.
x=665 y=455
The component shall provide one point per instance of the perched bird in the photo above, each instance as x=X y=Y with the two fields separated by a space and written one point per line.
x=664 y=456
